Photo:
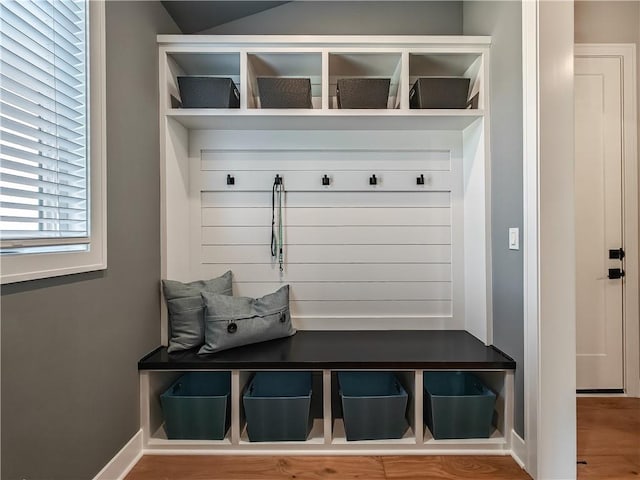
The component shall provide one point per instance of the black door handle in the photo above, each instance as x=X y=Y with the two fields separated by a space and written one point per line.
x=616 y=254
x=615 y=273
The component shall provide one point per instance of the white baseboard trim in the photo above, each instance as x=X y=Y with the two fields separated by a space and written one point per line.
x=518 y=449
x=124 y=460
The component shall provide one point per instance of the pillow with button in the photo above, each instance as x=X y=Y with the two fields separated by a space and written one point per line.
x=186 y=309
x=235 y=321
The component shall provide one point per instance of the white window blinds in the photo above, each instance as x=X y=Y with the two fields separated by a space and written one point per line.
x=44 y=189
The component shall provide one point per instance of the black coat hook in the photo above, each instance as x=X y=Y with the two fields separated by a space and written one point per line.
x=420 y=179
x=278 y=180
x=231 y=180
x=373 y=180
x=326 y=181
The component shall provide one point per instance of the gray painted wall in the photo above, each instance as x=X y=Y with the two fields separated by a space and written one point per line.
x=351 y=18
x=70 y=345
x=502 y=20
x=610 y=22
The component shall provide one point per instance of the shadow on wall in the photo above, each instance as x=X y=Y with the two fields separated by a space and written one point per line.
x=349 y=18
x=32 y=285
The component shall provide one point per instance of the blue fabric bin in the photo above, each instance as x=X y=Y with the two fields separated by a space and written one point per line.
x=196 y=406
x=277 y=406
x=374 y=405
x=457 y=405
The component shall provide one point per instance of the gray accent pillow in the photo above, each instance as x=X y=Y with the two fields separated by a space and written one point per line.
x=186 y=310
x=234 y=321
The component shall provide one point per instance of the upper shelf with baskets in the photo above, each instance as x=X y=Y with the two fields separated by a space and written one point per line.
x=320 y=82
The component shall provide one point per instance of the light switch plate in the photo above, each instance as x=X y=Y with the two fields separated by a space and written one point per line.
x=514 y=239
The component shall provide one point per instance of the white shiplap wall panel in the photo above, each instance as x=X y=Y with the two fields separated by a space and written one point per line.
x=304 y=140
x=331 y=235
x=367 y=309
x=329 y=272
x=356 y=255
x=326 y=159
x=352 y=291
x=329 y=253
x=324 y=216
x=231 y=197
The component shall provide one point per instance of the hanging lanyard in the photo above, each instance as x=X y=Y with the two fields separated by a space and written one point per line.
x=277 y=242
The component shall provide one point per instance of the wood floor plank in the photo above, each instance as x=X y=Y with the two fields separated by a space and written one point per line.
x=241 y=467
x=452 y=467
x=609 y=467
x=608 y=438
x=608 y=426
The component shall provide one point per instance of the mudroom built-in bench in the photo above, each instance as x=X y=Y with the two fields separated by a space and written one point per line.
x=406 y=353
x=386 y=227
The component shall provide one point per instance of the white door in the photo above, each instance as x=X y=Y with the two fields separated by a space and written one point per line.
x=598 y=187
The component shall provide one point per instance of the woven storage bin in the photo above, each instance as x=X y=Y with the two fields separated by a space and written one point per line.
x=373 y=405
x=363 y=92
x=277 y=92
x=196 y=406
x=457 y=405
x=277 y=406
x=439 y=92
x=208 y=92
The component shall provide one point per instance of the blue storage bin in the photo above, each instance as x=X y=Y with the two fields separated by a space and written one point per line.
x=457 y=405
x=373 y=405
x=277 y=406
x=196 y=406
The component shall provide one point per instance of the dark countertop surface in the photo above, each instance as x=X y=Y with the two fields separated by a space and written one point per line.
x=317 y=350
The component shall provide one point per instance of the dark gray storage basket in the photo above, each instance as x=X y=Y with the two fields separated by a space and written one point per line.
x=373 y=405
x=196 y=406
x=277 y=406
x=439 y=92
x=457 y=405
x=208 y=92
x=277 y=92
x=363 y=92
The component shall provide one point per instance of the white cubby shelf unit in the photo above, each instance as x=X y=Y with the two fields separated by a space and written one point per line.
x=400 y=254
x=327 y=435
x=324 y=60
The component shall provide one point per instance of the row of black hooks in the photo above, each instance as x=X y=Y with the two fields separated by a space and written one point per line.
x=326 y=180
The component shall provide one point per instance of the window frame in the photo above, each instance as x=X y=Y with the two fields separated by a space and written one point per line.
x=31 y=266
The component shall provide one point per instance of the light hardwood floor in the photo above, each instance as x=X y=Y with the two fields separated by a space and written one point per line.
x=317 y=468
x=608 y=438
x=608 y=441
